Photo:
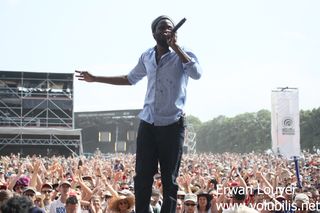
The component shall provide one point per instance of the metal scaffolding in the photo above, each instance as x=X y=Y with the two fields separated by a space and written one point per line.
x=190 y=139
x=37 y=109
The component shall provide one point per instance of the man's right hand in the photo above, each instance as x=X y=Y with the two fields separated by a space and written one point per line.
x=85 y=76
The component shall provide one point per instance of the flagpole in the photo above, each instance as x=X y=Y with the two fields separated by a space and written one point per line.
x=296 y=163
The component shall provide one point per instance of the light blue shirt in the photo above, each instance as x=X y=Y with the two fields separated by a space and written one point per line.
x=167 y=83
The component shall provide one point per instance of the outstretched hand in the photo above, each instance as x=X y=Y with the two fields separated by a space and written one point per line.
x=84 y=76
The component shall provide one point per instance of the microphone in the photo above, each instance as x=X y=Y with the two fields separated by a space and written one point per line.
x=179 y=25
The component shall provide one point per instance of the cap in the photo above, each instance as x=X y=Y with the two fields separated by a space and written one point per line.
x=107 y=194
x=201 y=193
x=29 y=188
x=302 y=198
x=64 y=182
x=157 y=20
x=47 y=185
x=181 y=193
x=22 y=181
x=190 y=197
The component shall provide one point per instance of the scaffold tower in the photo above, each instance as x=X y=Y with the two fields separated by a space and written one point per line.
x=36 y=109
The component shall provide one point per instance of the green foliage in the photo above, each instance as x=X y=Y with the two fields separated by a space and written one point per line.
x=194 y=121
x=310 y=129
x=250 y=132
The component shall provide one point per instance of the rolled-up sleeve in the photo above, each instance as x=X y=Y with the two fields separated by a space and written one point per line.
x=192 y=68
x=137 y=73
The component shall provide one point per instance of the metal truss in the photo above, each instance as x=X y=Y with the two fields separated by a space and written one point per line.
x=190 y=139
x=53 y=141
x=37 y=109
x=36 y=99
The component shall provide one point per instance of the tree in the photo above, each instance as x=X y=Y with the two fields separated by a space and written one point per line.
x=194 y=121
x=252 y=132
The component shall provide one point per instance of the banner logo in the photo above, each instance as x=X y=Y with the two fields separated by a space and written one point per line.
x=288 y=126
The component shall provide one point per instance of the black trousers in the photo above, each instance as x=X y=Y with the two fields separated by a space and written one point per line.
x=155 y=144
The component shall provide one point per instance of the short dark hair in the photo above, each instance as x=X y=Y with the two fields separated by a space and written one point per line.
x=17 y=204
x=239 y=193
x=72 y=200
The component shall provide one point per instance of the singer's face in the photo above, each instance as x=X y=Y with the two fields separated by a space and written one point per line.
x=163 y=32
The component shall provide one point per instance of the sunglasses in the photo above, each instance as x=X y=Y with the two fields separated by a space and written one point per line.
x=190 y=204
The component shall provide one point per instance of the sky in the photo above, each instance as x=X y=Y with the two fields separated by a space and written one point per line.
x=246 y=48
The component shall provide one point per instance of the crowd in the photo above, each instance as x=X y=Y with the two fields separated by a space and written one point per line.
x=208 y=183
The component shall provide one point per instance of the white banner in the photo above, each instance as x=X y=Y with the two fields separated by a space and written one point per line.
x=285 y=124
